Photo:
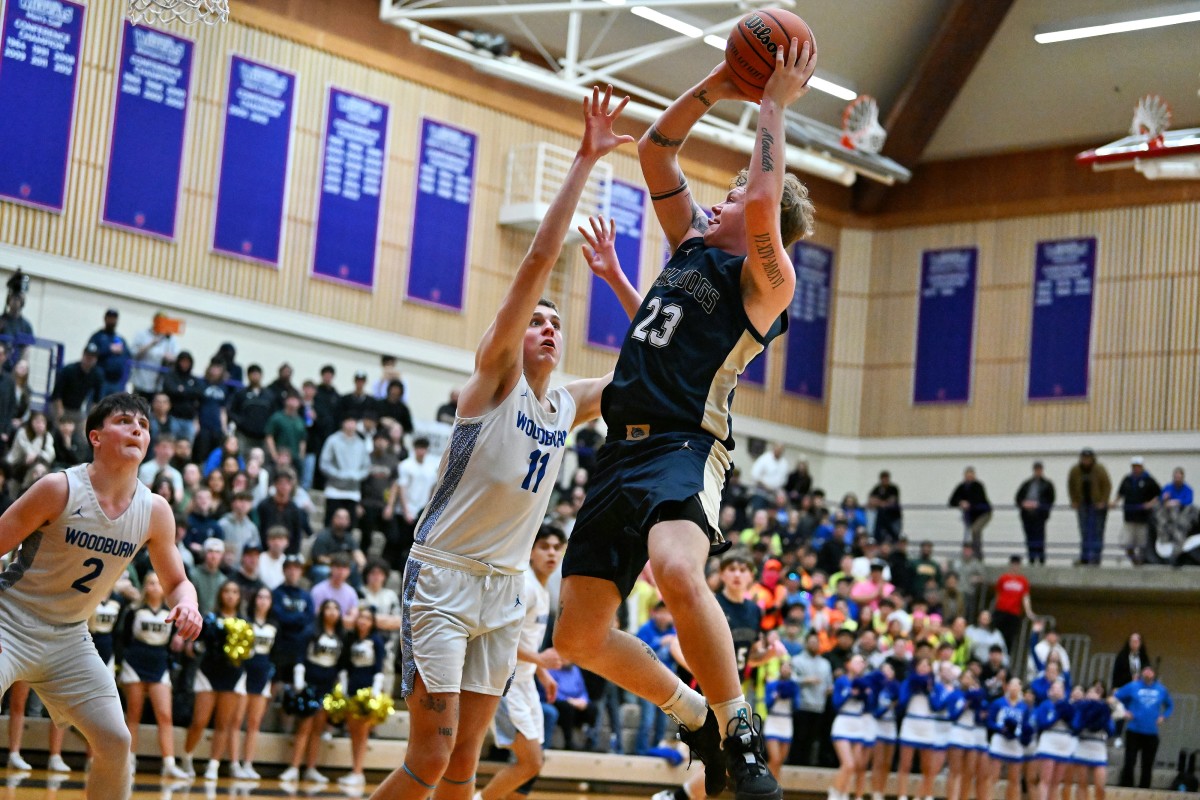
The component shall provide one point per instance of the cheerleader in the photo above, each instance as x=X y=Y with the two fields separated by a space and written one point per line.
x=853 y=727
x=259 y=672
x=887 y=693
x=146 y=637
x=101 y=625
x=363 y=660
x=319 y=672
x=1032 y=767
x=219 y=685
x=1056 y=740
x=18 y=696
x=960 y=743
x=1093 y=724
x=918 y=732
x=1008 y=719
x=782 y=694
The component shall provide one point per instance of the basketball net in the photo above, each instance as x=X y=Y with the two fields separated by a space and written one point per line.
x=189 y=12
x=860 y=126
x=1151 y=118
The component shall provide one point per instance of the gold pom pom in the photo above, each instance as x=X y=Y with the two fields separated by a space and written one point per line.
x=375 y=708
x=336 y=705
x=239 y=640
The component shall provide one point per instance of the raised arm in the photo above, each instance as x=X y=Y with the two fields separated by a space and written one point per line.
x=680 y=216
x=768 y=279
x=498 y=357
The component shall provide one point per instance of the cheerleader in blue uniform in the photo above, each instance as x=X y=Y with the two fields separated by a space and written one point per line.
x=887 y=694
x=853 y=727
x=101 y=625
x=1093 y=725
x=145 y=661
x=918 y=730
x=1009 y=721
x=1056 y=740
x=219 y=684
x=319 y=670
x=259 y=672
x=960 y=743
x=363 y=661
x=782 y=694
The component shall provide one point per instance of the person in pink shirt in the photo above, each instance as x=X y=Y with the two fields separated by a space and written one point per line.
x=868 y=592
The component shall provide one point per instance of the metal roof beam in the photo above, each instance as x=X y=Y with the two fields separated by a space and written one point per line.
x=392 y=13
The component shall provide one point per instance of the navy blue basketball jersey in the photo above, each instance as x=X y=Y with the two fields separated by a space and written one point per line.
x=745 y=626
x=683 y=353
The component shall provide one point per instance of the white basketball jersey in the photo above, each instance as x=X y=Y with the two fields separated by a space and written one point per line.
x=496 y=477
x=537 y=616
x=65 y=569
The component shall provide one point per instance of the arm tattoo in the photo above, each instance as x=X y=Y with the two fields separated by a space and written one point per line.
x=766 y=254
x=699 y=218
x=682 y=187
x=768 y=142
x=649 y=651
x=662 y=141
x=702 y=96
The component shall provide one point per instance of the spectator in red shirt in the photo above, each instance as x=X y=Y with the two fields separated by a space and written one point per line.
x=1012 y=602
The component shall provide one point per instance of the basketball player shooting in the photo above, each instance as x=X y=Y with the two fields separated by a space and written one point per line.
x=463 y=594
x=656 y=490
x=78 y=530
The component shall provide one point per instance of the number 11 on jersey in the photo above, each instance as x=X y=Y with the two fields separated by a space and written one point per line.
x=536 y=458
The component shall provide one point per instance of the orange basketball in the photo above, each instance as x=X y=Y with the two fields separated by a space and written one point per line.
x=750 y=51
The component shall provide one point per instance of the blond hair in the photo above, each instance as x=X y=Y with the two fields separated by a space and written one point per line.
x=796 y=210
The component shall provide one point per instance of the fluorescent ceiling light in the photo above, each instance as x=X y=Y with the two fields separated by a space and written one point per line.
x=820 y=84
x=1049 y=37
x=676 y=25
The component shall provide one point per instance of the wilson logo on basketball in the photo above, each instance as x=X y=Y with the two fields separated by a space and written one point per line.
x=762 y=32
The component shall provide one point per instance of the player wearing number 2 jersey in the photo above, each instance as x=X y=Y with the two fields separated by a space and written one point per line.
x=77 y=531
x=463 y=592
x=655 y=493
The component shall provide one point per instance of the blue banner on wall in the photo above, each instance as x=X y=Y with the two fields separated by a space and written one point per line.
x=252 y=186
x=607 y=320
x=149 y=123
x=354 y=152
x=1060 y=344
x=945 y=326
x=756 y=371
x=437 y=268
x=808 y=322
x=39 y=71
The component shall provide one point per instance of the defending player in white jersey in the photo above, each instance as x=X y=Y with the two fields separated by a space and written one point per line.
x=77 y=531
x=462 y=603
x=520 y=721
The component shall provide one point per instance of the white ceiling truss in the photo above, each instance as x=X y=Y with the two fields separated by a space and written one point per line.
x=573 y=65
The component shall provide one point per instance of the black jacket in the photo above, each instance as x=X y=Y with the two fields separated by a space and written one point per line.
x=1044 y=494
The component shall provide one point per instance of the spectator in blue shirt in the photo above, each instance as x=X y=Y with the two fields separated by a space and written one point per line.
x=657 y=635
x=1177 y=492
x=212 y=412
x=1148 y=703
x=575 y=708
x=112 y=355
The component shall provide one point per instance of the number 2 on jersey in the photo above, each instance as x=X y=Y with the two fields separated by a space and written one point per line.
x=671 y=315
x=81 y=585
x=535 y=458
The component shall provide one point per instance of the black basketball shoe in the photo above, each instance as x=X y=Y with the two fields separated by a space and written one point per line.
x=745 y=752
x=705 y=744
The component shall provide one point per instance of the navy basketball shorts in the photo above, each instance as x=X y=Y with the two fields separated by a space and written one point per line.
x=636 y=484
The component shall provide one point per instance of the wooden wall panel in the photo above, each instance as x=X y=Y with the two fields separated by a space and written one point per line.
x=1146 y=326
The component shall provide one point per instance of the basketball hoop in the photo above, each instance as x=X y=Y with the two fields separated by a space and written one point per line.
x=860 y=125
x=210 y=12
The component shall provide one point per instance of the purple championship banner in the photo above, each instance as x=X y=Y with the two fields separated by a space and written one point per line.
x=145 y=157
x=607 y=320
x=756 y=371
x=808 y=322
x=352 y=163
x=256 y=145
x=437 y=268
x=39 y=71
x=945 y=326
x=1060 y=343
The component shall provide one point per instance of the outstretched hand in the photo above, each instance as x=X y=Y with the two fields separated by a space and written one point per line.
x=789 y=82
x=187 y=621
x=598 y=136
x=600 y=250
